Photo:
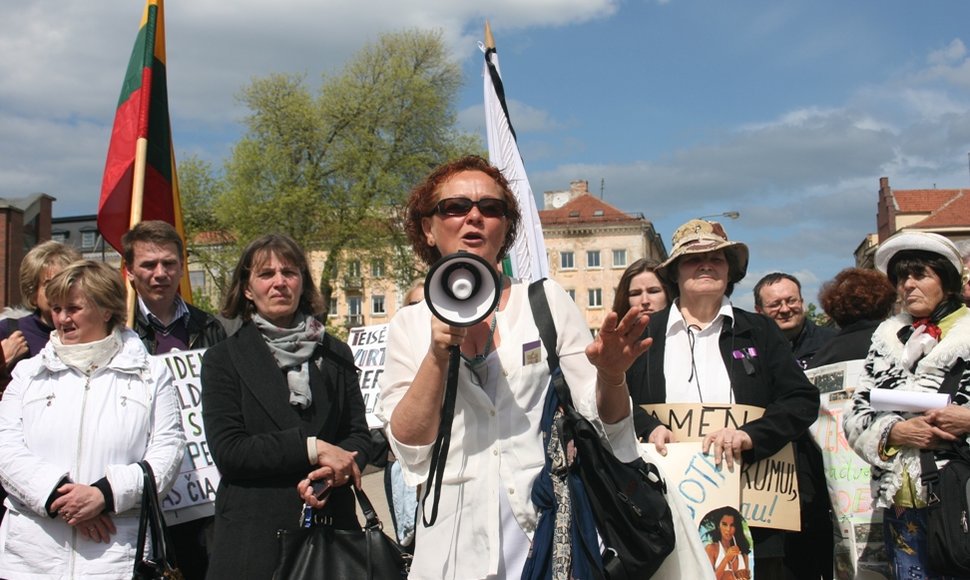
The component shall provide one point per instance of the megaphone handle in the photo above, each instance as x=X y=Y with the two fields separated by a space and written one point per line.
x=439 y=454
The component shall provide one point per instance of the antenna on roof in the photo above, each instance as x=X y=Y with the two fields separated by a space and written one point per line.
x=602 y=186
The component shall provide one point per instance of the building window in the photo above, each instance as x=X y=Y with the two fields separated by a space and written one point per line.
x=572 y=293
x=595 y=297
x=88 y=239
x=353 y=305
x=593 y=259
x=567 y=261
x=60 y=236
x=377 y=306
x=619 y=258
x=353 y=268
x=197 y=280
x=333 y=306
x=377 y=268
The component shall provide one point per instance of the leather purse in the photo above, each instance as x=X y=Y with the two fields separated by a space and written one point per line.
x=322 y=551
x=160 y=564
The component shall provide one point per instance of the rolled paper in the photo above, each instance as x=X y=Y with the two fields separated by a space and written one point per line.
x=906 y=401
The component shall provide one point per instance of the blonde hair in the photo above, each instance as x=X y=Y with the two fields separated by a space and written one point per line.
x=37 y=262
x=100 y=283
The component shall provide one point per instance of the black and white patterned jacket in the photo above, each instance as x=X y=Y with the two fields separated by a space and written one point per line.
x=866 y=429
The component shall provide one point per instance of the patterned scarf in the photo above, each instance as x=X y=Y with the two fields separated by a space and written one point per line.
x=925 y=333
x=292 y=349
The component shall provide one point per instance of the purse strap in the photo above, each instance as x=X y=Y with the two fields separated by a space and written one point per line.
x=152 y=518
x=542 y=315
x=951 y=383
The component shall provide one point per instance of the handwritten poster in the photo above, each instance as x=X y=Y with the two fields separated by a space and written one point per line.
x=194 y=493
x=859 y=549
x=368 y=345
x=769 y=488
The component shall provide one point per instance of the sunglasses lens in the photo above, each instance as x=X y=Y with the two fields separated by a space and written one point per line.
x=492 y=208
x=460 y=206
x=455 y=206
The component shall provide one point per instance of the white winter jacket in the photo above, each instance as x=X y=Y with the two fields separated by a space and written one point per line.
x=56 y=423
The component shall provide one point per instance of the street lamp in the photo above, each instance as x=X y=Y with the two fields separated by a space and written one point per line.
x=731 y=215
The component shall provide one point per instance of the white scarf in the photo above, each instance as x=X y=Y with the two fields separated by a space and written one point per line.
x=88 y=357
x=292 y=349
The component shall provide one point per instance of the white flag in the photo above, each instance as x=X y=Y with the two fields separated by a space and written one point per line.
x=528 y=254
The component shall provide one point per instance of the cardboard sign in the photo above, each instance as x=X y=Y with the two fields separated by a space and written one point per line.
x=769 y=488
x=368 y=344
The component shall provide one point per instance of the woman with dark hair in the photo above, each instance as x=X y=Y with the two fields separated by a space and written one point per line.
x=640 y=286
x=280 y=400
x=729 y=547
x=916 y=350
x=858 y=300
x=486 y=516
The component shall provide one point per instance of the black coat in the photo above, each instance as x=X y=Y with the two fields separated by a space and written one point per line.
x=772 y=380
x=258 y=442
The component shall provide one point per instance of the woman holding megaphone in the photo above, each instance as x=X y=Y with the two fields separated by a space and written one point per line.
x=484 y=519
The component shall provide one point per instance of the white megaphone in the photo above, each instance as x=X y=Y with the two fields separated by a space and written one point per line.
x=462 y=289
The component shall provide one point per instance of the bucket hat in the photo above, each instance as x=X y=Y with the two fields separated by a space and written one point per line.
x=700 y=237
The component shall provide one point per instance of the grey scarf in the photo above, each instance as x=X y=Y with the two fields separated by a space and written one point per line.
x=292 y=349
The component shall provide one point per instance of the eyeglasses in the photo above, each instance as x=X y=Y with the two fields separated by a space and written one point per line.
x=790 y=302
x=460 y=206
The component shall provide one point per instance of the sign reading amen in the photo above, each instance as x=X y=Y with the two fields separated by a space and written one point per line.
x=769 y=488
x=194 y=491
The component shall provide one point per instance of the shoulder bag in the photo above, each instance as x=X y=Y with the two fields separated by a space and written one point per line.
x=948 y=497
x=627 y=500
x=160 y=564
x=321 y=551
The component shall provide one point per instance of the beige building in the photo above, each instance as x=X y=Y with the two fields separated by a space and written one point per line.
x=589 y=244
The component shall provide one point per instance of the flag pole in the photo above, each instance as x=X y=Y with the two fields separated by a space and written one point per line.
x=137 y=202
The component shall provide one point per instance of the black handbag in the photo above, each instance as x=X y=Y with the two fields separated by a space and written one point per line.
x=627 y=500
x=160 y=565
x=948 y=498
x=323 y=551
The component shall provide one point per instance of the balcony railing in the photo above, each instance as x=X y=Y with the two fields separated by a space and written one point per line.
x=354 y=320
x=353 y=283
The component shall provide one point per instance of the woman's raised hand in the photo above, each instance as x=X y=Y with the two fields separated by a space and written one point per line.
x=618 y=342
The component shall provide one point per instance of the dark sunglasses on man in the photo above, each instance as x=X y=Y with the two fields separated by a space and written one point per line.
x=460 y=206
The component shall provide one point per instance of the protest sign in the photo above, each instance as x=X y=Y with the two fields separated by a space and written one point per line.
x=859 y=546
x=368 y=346
x=194 y=491
x=769 y=488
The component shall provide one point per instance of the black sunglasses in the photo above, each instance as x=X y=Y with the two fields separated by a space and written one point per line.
x=460 y=206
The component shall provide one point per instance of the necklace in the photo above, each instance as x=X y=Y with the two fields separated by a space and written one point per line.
x=478 y=364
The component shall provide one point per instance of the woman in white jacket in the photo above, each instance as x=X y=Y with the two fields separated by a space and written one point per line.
x=74 y=422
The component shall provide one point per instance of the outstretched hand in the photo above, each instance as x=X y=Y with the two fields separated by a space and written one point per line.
x=618 y=343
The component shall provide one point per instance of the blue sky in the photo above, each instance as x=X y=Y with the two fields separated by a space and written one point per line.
x=788 y=112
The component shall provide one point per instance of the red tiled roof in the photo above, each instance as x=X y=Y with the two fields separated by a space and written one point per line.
x=922 y=200
x=955 y=211
x=585 y=209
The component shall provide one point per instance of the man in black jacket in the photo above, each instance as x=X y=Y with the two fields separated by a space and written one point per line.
x=779 y=296
x=153 y=253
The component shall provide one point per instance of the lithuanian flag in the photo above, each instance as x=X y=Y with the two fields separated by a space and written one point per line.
x=139 y=176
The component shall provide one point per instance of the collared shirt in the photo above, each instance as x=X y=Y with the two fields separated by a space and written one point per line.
x=181 y=314
x=693 y=365
x=496 y=450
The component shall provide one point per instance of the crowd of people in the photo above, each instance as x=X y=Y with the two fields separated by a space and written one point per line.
x=283 y=410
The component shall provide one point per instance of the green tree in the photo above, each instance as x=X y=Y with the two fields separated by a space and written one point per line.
x=333 y=169
x=208 y=246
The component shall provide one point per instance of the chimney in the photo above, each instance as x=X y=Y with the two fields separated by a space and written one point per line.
x=885 y=210
x=578 y=187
